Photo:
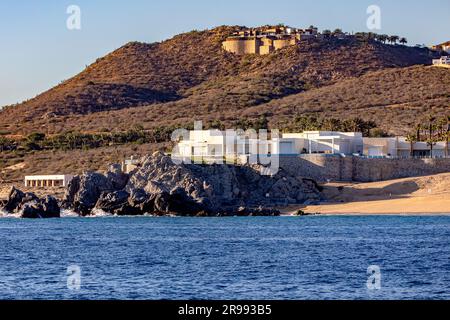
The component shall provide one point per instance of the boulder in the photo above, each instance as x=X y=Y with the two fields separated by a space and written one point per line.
x=162 y=203
x=71 y=192
x=181 y=204
x=117 y=177
x=84 y=191
x=28 y=205
x=14 y=201
x=141 y=201
x=41 y=209
x=114 y=203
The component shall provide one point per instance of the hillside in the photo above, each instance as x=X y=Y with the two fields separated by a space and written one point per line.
x=190 y=76
x=396 y=99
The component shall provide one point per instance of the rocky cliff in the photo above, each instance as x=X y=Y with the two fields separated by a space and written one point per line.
x=161 y=187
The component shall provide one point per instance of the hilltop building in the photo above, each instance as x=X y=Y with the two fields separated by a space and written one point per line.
x=442 y=47
x=266 y=40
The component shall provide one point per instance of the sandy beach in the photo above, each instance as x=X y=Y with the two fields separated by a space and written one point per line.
x=418 y=196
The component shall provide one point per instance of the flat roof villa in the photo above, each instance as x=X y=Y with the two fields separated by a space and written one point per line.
x=215 y=143
x=230 y=144
x=48 y=181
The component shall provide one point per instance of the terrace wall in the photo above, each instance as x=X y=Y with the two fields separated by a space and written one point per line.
x=337 y=168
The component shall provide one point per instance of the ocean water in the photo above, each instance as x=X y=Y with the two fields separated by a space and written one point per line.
x=225 y=258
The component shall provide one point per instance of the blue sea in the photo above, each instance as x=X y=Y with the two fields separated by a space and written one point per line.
x=225 y=258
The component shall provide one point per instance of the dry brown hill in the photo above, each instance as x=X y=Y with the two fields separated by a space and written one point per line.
x=395 y=98
x=190 y=76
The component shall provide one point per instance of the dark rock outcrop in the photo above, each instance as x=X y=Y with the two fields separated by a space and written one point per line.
x=217 y=189
x=28 y=205
x=84 y=191
x=141 y=202
x=43 y=208
x=178 y=202
x=14 y=201
x=162 y=187
x=115 y=203
x=116 y=177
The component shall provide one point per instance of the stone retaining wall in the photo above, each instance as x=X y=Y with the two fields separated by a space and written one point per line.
x=337 y=168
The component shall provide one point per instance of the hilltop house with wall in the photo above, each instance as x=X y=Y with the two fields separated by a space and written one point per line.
x=266 y=40
x=442 y=47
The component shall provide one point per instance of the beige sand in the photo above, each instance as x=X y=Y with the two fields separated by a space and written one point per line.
x=423 y=195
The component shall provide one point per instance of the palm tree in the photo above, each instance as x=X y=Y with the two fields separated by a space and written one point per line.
x=412 y=139
x=371 y=36
x=383 y=38
x=446 y=135
x=326 y=33
x=403 y=41
x=447 y=142
x=431 y=140
x=394 y=39
x=418 y=132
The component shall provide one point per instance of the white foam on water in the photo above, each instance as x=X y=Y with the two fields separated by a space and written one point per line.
x=4 y=214
x=68 y=214
x=96 y=213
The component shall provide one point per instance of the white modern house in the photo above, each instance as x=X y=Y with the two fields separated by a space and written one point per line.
x=215 y=144
x=323 y=142
x=401 y=147
x=47 y=181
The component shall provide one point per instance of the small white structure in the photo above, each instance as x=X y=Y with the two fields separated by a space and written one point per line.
x=443 y=61
x=130 y=165
x=380 y=147
x=47 y=181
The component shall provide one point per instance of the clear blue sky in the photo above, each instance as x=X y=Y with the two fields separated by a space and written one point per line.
x=38 y=51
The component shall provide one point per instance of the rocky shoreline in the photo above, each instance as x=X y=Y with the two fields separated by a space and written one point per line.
x=160 y=187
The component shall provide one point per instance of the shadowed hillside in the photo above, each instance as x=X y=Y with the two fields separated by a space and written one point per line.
x=189 y=76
